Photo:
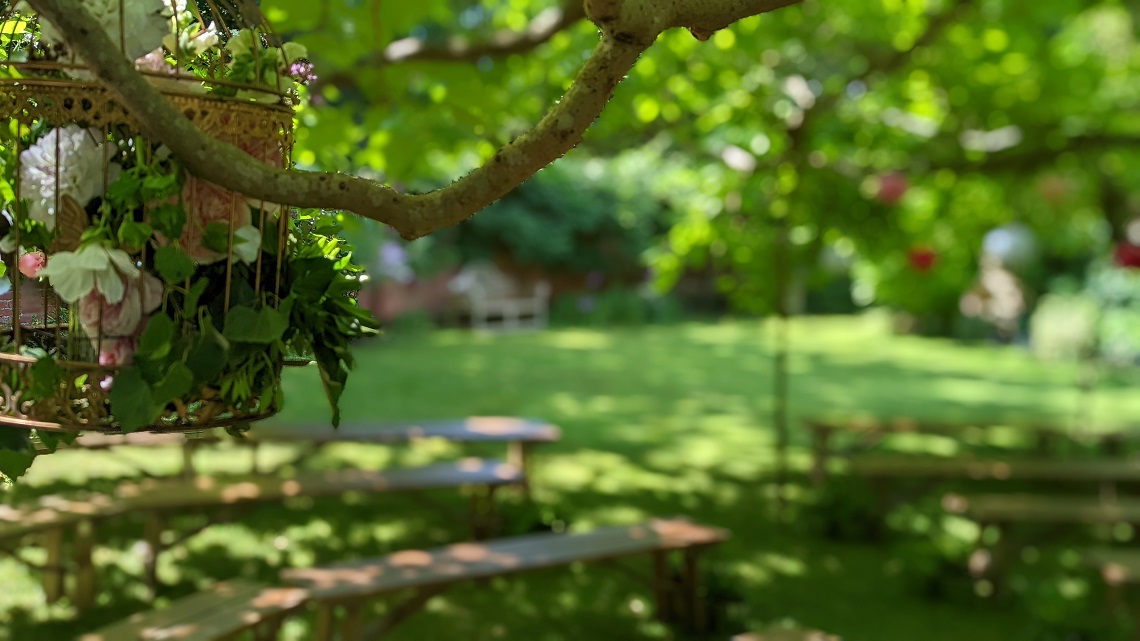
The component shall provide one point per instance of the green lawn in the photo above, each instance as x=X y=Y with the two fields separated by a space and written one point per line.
x=657 y=421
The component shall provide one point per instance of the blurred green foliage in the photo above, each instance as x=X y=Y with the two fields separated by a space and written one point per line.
x=994 y=111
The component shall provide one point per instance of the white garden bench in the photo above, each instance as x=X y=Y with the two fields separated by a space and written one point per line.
x=494 y=300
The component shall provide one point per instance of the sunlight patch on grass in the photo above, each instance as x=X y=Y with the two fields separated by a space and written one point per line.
x=578 y=340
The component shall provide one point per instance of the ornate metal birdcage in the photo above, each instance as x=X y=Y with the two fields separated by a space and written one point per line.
x=140 y=297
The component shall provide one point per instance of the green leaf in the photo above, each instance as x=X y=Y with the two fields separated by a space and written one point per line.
x=124 y=192
x=52 y=440
x=168 y=220
x=195 y=295
x=217 y=237
x=132 y=403
x=159 y=186
x=14 y=464
x=173 y=264
x=156 y=340
x=206 y=359
x=176 y=384
x=133 y=236
x=46 y=378
x=262 y=326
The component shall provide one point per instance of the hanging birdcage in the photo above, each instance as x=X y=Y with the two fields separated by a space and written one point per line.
x=141 y=297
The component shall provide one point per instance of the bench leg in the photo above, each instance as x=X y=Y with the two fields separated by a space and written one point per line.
x=352 y=626
x=484 y=517
x=54 y=573
x=188 y=470
x=326 y=622
x=695 y=613
x=152 y=541
x=663 y=587
x=820 y=451
x=518 y=455
x=269 y=630
x=84 y=595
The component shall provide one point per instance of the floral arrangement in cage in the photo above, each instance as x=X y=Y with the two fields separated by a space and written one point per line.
x=143 y=297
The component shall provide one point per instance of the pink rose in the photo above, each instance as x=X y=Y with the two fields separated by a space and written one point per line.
x=31 y=263
x=117 y=351
x=123 y=319
x=207 y=203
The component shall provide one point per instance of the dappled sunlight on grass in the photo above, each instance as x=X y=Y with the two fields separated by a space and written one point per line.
x=657 y=421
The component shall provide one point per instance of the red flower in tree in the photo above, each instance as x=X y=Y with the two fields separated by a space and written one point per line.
x=1126 y=254
x=922 y=258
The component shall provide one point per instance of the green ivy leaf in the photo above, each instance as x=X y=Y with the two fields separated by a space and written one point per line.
x=195 y=295
x=52 y=440
x=159 y=186
x=173 y=264
x=46 y=378
x=216 y=237
x=156 y=340
x=132 y=403
x=176 y=384
x=133 y=236
x=206 y=358
x=14 y=464
x=168 y=220
x=124 y=192
x=262 y=326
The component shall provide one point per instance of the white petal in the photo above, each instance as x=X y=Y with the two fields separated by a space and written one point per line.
x=247 y=244
x=110 y=285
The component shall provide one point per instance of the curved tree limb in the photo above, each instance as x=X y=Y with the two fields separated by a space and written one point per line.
x=624 y=37
x=541 y=29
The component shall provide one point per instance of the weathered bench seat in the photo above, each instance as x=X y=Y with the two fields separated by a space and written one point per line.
x=221 y=612
x=1000 y=509
x=351 y=584
x=930 y=467
x=786 y=635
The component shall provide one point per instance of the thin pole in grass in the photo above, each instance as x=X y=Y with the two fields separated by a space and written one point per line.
x=780 y=381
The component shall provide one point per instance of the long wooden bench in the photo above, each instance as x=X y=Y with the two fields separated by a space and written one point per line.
x=520 y=434
x=221 y=612
x=349 y=586
x=1120 y=570
x=1000 y=511
x=929 y=467
x=787 y=635
x=867 y=432
x=52 y=516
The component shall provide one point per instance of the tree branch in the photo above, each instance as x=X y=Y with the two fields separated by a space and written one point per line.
x=624 y=38
x=541 y=29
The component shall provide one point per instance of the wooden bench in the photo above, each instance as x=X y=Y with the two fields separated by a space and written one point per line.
x=520 y=434
x=1003 y=510
x=1120 y=570
x=349 y=586
x=868 y=432
x=219 y=613
x=998 y=509
x=786 y=635
x=52 y=516
x=929 y=467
